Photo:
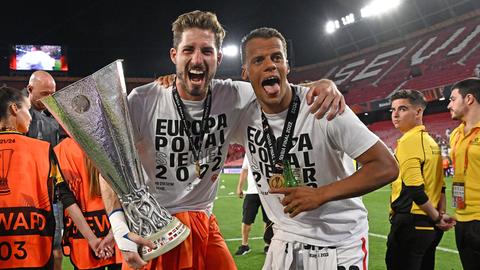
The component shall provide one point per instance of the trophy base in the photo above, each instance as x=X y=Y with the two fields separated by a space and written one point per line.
x=166 y=239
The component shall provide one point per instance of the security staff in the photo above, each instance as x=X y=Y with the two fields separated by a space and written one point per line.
x=465 y=144
x=83 y=180
x=418 y=194
x=28 y=175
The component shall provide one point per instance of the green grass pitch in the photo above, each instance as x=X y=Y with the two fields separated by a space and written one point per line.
x=228 y=209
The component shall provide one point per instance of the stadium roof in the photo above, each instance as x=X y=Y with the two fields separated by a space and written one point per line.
x=100 y=31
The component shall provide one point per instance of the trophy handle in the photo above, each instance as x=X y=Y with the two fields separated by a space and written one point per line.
x=146 y=217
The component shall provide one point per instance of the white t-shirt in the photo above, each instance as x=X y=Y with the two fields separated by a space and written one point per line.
x=319 y=150
x=164 y=148
x=251 y=185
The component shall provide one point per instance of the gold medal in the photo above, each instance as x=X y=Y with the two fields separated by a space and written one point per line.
x=276 y=181
x=197 y=168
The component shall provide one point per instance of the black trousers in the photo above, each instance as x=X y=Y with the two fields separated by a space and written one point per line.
x=251 y=203
x=467 y=236
x=411 y=241
x=428 y=262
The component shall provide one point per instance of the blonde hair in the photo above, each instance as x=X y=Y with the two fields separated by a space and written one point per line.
x=94 y=177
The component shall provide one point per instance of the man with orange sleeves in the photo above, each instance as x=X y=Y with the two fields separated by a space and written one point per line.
x=83 y=180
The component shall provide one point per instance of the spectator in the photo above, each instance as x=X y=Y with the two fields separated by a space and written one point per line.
x=476 y=71
x=46 y=128
x=447 y=133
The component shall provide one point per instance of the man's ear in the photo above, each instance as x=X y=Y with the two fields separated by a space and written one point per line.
x=244 y=73
x=288 y=68
x=219 y=57
x=419 y=111
x=173 y=55
x=29 y=89
x=13 y=108
x=470 y=99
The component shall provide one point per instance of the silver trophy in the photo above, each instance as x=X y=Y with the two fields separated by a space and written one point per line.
x=94 y=113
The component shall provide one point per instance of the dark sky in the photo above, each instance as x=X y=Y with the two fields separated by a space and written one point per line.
x=100 y=31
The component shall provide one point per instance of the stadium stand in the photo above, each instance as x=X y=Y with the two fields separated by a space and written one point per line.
x=434 y=57
x=430 y=58
x=235 y=156
x=436 y=125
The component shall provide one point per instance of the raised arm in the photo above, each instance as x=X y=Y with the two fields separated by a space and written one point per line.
x=324 y=97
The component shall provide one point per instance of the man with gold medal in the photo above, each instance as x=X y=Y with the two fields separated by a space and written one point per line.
x=182 y=133
x=322 y=223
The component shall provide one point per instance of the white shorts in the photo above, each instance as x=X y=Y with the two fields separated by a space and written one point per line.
x=284 y=255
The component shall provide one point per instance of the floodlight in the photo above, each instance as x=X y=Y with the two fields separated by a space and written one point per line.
x=230 y=51
x=378 y=7
x=348 y=19
x=331 y=26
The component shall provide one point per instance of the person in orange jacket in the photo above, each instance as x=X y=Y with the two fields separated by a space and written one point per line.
x=83 y=180
x=28 y=175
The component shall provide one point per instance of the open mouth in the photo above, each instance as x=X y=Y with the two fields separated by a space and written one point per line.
x=196 y=75
x=271 y=85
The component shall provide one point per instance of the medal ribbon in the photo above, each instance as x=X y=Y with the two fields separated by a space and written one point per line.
x=278 y=149
x=207 y=104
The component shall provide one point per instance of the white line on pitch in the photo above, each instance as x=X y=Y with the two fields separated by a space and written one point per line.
x=240 y=239
x=439 y=248
x=371 y=234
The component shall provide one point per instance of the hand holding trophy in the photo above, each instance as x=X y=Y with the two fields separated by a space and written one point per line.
x=94 y=113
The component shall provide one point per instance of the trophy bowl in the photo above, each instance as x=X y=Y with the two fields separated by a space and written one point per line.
x=94 y=112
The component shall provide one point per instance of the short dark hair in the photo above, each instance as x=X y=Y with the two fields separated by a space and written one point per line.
x=265 y=33
x=415 y=97
x=9 y=95
x=197 y=19
x=469 y=86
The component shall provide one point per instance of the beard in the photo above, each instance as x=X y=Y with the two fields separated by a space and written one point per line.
x=192 y=89
x=455 y=115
